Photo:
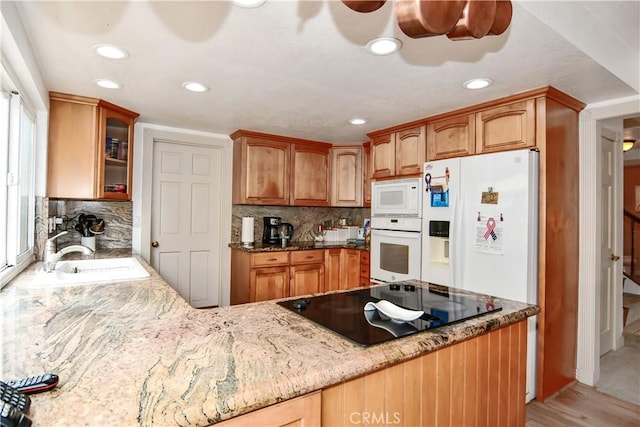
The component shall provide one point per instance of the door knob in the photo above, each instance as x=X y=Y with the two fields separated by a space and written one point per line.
x=155 y=244
x=614 y=257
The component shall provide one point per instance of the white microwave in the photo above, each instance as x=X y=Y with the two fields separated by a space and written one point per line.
x=399 y=197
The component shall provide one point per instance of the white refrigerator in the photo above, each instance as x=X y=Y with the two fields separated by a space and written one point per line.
x=480 y=230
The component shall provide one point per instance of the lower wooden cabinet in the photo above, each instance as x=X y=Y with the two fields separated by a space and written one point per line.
x=480 y=381
x=365 y=269
x=268 y=283
x=262 y=276
x=306 y=272
x=301 y=411
x=332 y=269
x=350 y=268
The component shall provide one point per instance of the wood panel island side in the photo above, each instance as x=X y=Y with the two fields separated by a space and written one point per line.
x=135 y=353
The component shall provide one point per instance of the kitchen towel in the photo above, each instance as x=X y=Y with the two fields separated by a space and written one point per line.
x=247 y=230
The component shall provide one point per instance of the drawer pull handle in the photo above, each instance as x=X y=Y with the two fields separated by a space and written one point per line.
x=309 y=257
x=272 y=259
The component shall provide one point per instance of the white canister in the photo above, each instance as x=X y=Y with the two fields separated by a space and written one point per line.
x=89 y=242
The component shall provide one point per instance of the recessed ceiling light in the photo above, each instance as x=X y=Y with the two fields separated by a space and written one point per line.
x=248 y=3
x=195 y=87
x=384 y=45
x=357 y=121
x=108 y=84
x=477 y=83
x=110 y=51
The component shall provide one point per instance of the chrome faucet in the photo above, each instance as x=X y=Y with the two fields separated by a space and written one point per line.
x=52 y=255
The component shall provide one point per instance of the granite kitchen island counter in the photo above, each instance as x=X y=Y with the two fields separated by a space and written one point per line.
x=135 y=353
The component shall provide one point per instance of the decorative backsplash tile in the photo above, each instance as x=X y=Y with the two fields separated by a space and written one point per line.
x=302 y=218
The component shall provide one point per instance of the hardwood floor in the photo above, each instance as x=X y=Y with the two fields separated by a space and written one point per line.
x=581 y=405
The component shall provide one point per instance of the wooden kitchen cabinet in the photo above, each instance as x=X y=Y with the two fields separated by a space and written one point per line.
x=332 y=269
x=398 y=154
x=383 y=156
x=410 y=151
x=451 y=137
x=269 y=283
x=259 y=276
x=307 y=272
x=346 y=176
x=365 y=268
x=300 y=411
x=366 y=174
x=90 y=151
x=342 y=268
x=506 y=127
x=260 y=170
x=350 y=268
x=310 y=179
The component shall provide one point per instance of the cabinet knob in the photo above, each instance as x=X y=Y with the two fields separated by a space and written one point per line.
x=155 y=244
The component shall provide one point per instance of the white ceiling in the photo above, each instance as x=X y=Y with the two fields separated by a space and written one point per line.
x=299 y=68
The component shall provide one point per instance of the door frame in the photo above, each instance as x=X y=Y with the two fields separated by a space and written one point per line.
x=592 y=119
x=143 y=189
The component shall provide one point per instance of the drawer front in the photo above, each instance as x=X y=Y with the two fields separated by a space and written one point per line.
x=306 y=257
x=364 y=257
x=266 y=259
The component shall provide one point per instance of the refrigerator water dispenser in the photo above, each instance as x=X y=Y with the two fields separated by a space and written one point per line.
x=439 y=242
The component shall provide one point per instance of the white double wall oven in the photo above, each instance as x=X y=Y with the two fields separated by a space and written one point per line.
x=396 y=238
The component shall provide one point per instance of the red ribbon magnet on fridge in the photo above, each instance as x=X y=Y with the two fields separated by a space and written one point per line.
x=491 y=225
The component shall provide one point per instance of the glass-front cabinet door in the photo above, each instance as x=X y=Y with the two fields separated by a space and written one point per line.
x=115 y=155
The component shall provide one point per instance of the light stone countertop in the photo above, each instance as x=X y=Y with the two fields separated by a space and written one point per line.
x=135 y=353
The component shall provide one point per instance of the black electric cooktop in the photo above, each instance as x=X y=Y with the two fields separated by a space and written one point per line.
x=344 y=312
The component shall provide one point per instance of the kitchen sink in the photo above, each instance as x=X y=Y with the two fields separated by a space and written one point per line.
x=87 y=271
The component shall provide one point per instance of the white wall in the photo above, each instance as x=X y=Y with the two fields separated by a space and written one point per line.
x=21 y=64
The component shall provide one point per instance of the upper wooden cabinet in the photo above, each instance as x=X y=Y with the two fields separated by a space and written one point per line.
x=410 y=151
x=310 y=174
x=451 y=137
x=260 y=170
x=90 y=154
x=383 y=156
x=366 y=172
x=346 y=176
x=398 y=154
x=506 y=127
x=279 y=170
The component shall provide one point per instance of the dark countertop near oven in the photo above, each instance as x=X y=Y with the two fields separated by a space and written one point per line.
x=135 y=353
x=299 y=246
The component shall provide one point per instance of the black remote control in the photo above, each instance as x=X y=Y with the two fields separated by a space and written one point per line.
x=35 y=384
x=14 y=398
x=12 y=417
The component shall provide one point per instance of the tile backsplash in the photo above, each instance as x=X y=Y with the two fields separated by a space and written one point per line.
x=302 y=218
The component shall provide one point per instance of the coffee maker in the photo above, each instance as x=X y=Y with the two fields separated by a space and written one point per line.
x=270 y=234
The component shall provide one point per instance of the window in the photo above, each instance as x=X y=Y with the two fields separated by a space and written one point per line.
x=17 y=181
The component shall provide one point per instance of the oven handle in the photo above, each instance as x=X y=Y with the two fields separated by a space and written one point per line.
x=394 y=233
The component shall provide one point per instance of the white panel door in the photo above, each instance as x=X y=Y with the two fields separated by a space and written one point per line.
x=607 y=255
x=186 y=219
